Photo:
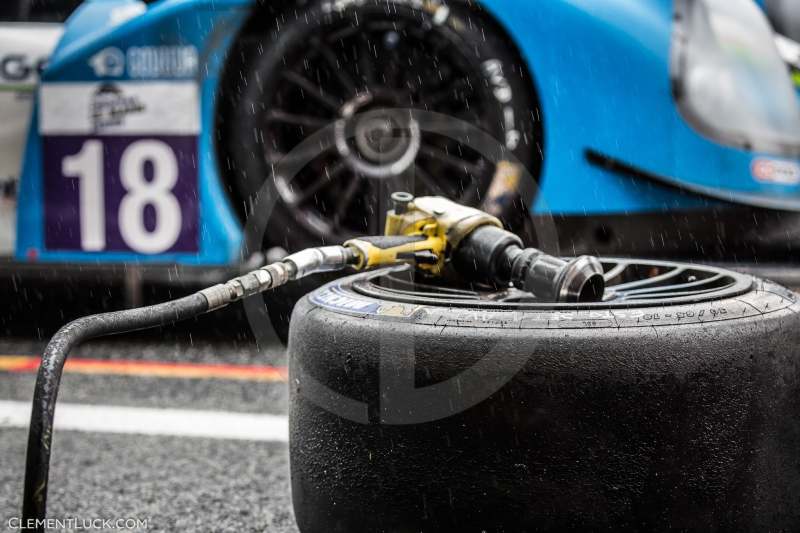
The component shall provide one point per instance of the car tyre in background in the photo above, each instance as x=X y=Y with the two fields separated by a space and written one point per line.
x=353 y=65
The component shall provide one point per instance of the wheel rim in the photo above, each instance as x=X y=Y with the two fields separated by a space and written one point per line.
x=356 y=76
x=629 y=283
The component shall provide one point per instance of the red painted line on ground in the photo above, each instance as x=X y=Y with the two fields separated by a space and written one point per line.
x=162 y=369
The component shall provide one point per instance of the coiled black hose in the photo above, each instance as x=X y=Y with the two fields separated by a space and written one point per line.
x=37 y=464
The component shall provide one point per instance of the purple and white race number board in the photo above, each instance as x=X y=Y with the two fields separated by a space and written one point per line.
x=120 y=166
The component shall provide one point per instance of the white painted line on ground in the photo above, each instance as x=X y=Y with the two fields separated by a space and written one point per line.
x=149 y=421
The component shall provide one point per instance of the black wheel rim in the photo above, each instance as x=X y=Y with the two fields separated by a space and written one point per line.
x=629 y=283
x=355 y=71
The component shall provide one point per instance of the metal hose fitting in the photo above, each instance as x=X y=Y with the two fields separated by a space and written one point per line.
x=295 y=266
x=495 y=256
x=317 y=260
x=552 y=279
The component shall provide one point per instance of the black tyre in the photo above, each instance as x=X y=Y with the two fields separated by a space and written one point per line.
x=674 y=405
x=352 y=63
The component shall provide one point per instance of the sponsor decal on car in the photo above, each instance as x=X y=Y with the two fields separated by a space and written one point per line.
x=21 y=68
x=775 y=171
x=108 y=63
x=146 y=62
x=110 y=106
x=156 y=107
x=120 y=166
x=162 y=62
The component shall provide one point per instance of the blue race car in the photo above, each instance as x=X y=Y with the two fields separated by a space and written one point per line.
x=657 y=127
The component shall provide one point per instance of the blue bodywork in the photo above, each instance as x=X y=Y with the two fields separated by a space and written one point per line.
x=209 y=25
x=601 y=69
x=604 y=84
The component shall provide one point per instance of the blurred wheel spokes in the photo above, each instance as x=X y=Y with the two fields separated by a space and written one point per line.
x=386 y=59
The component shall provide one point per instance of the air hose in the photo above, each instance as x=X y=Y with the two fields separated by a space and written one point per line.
x=48 y=380
x=431 y=233
x=40 y=434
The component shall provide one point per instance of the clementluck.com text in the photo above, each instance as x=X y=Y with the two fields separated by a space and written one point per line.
x=73 y=524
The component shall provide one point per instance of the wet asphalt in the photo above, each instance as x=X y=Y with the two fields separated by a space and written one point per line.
x=174 y=483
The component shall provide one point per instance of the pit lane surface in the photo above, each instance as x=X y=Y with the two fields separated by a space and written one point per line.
x=176 y=481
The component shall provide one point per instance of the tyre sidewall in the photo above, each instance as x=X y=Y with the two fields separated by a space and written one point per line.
x=621 y=421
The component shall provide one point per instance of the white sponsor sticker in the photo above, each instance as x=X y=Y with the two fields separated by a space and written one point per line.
x=777 y=171
x=146 y=62
x=119 y=108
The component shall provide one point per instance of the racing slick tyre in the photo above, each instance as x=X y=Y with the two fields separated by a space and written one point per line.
x=672 y=405
x=354 y=69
